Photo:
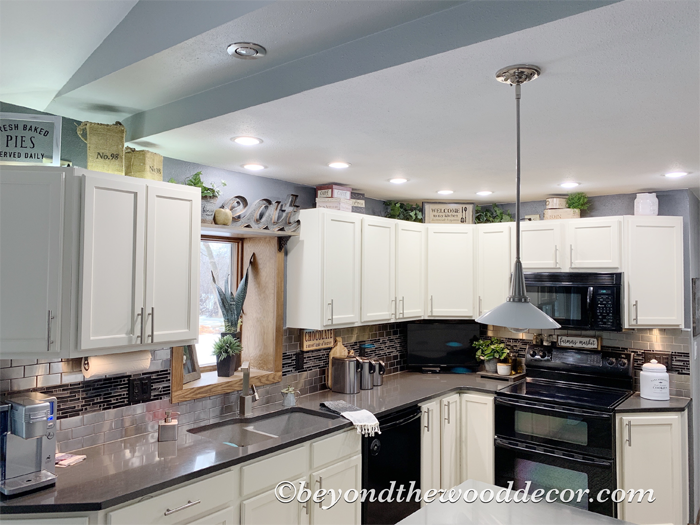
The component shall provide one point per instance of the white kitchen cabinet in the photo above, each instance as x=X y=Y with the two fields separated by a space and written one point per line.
x=378 y=269
x=653 y=271
x=410 y=270
x=541 y=245
x=344 y=476
x=495 y=264
x=223 y=517
x=31 y=243
x=266 y=509
x=451 y=271
x=652 y=453
x=477 y=434
x=450 y=472
x=430 y=447
x=594 y=244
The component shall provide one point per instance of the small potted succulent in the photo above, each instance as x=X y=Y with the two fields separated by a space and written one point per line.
x=228 y=356
x=578 y=201
x=491 y=351
x=210 y=195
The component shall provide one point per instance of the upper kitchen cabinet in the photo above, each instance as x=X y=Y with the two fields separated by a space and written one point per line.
x=594 y=244
x=31 y=243
x=378 y=269
x=324 y=270
x=541 y=245
x=495 y=264
x=451 y=271
x=122 y=262
x=653 y=271
x=410 y=270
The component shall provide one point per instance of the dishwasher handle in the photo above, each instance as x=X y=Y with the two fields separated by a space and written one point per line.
x=393 y=424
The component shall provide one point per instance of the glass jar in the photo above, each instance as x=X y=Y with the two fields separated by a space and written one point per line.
x=646 y=204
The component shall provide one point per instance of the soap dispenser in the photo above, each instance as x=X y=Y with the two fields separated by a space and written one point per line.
x=167 y=428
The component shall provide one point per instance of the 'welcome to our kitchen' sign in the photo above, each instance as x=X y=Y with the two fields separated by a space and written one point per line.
x=27 y=139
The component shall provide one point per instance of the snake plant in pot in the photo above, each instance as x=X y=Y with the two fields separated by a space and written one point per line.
x=228 y=356
x=490 y=351
x=231 y=304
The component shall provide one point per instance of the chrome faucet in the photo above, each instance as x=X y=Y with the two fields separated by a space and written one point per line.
x=245 y=404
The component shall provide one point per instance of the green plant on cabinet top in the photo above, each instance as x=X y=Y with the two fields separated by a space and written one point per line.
x=495 y=214
x=404 y=211
x=195 y=181
x=577 y=201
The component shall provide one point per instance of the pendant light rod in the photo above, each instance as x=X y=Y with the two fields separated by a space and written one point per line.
x=517 y=172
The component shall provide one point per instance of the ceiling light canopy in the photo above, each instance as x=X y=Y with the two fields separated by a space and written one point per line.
x=569 y=185
x=246 y=50
x=247 y=141
x=676 y=174
x=517 y=313
x=398 y=180
x=339 y=165
x=484 y=193
x=254 y=167
x=445 y=192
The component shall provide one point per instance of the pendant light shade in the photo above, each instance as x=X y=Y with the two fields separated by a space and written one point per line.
x=518 y=313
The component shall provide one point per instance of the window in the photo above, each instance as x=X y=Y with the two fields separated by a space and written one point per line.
x=220 y=257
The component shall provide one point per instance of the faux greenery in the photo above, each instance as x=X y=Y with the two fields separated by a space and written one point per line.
x=404 y=211
x=196 y=181
x=577 y=201
x=231 y=304
x=226 y=346
x=490 y=349
x=289 y=390
x=495 y=214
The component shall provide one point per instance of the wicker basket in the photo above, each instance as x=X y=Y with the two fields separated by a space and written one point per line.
x=105 y=146
x=143 y=164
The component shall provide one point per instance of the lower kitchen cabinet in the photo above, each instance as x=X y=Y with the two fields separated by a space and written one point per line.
x=343 y=476
x=477 y=428
x=450 y=471
x=225 y=516
x=652 y=453
x=266 y=509
x=430 y=447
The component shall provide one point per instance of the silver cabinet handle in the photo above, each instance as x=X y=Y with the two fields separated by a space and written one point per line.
x=556 y=256
x=431 y=305
x=629 y=433
x=49 y=342
x=427 y=420
x=393 y=308
x=447 y=404
x=142 y=326
x=331 y=305
x=403 y=304
x=153 y=323
x=187 y=505
x=320 y=487
x=305 y=505
x=479 y=305
x=636 y=312
x=571 y=255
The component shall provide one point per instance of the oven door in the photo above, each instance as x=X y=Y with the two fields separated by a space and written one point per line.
x=566 y=304
x=547 y=469
x=581 y=431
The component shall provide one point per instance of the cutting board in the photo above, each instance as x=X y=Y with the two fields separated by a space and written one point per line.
x=338 y=350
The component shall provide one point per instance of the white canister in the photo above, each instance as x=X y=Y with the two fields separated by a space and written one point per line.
x=646 y=204
x=653 y=381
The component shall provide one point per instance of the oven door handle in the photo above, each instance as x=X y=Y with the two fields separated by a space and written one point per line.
x=550 y=408
x=552 y=453
x=589 y=307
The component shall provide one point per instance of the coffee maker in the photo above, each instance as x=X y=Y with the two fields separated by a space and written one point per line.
x=27 y=442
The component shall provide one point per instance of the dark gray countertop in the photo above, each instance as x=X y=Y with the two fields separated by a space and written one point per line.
x=131 y=468
x=636 y=403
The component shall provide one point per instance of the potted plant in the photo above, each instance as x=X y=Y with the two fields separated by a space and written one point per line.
x=490 y=351
x=404 y=211
x=495 y=214
x=228 y=356
x=577 y=201
x=231 y=304
x=210 y=194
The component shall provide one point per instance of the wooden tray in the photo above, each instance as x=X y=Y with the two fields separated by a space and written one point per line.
x=511 y=378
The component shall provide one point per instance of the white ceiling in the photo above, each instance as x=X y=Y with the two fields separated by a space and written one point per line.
x=617 y=104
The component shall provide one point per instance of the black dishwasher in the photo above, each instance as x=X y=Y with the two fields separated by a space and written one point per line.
x=392 y=456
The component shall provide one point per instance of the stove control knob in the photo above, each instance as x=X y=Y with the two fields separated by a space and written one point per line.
x=622 y=363
x=533 y=353
x=542 y=354
x=610 y=361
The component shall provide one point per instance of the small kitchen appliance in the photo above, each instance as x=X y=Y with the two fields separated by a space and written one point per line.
x=379 y=371
x=27 y=441
x=653 y=381
x=346 y=375
x=556 y=428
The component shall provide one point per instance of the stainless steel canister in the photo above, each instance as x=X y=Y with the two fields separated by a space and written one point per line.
x=345 y=375
x=379 y=371
x=367 y=381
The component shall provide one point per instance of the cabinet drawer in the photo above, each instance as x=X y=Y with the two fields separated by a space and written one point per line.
x=267 y=473
x=210 y=493
x=335 y=448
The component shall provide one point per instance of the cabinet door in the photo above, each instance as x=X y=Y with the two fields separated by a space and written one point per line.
x=378 y=269
x=451 y=267
x=495 y=265
x=430 y=448
x=651 y=455
x=223 y=517
x=341 y=268
x=113 y=264
x=450 y=473
x=266 y=509
x=30 y=273
x=595 y=243
x=172 y=264
x=410 y=280
x=345 y=475
x=654 y=271
x=477 y=425
x=541 y=245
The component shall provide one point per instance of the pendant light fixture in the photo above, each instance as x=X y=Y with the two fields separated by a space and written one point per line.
x=517 y=313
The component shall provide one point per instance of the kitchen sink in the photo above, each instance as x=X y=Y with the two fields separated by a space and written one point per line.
x=243 y=432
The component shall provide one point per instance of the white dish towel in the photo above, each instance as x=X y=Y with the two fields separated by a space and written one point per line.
x=364 y=421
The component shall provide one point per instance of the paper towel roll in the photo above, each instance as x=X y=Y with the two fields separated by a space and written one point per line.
x=128 y=363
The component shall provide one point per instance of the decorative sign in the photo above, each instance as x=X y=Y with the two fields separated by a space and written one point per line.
x=448 y=213
x=580 y=343
x=315 y=339
x=264 y=214
x=27 y=139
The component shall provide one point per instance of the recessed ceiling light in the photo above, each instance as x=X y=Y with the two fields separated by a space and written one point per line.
x=254 y=167
x=339 y=165
x=676 y=174
x=247 y=141
x=484 y=193
x=246 y=50
x=398 y=180
x=445 y=192
x=569 y=184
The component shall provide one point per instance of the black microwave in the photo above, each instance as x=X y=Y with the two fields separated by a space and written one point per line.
x=582 y=301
